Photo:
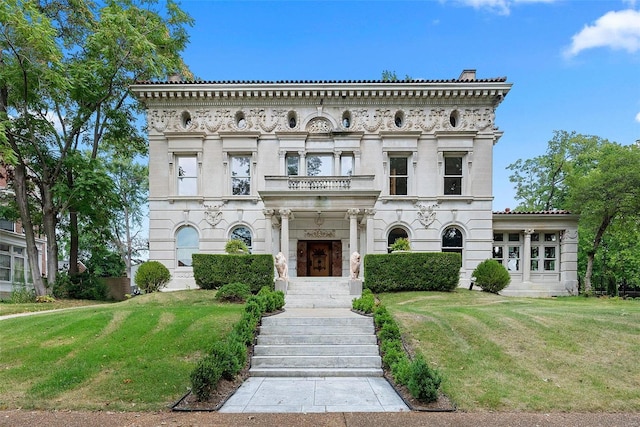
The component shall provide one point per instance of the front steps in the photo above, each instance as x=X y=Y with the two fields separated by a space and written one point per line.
x=317 y=336
x=318 y=292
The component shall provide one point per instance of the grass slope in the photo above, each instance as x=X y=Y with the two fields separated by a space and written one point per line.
x=521 y=354
x=133 y=355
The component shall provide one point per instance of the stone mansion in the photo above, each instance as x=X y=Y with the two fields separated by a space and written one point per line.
x=320 y=169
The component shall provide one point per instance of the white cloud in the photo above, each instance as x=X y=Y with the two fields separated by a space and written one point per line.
x=503 y=7
x=617 y=30
x=638 y=117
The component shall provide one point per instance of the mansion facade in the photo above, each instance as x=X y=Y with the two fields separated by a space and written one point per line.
x=318 y=170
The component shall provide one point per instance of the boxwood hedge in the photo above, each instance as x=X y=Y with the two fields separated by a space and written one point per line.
x=214 y=270
x=412 y=271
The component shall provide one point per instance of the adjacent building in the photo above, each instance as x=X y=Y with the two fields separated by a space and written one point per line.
x=14 y=265
x=320 y=169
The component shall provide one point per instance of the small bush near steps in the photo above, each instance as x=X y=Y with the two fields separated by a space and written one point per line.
x=152 y=276
x=421 y=380
x=233 y=292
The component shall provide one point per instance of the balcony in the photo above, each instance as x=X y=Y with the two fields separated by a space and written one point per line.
x=337 y=192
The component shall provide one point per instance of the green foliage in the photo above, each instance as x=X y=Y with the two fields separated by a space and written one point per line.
x=423 y=382
x=491 y=276
x=366 y=302
x=401 y=244
x=233 y=292
x=205 y=377
x=409 y=271
x=45 y=299
x=214 y=270
x=236 y=247
x=20 y=294
x=80 y=286
x=152 y=276
x=106 y=263
x=227 y=358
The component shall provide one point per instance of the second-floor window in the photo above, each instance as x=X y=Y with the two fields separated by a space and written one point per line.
x=293 y=164
x=319 y=164
x=398 y=176
x=453 y=175
x=187 y=176
x=6 y=225
x=240 y=175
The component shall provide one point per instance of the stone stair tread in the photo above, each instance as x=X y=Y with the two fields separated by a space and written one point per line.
x=316 y=372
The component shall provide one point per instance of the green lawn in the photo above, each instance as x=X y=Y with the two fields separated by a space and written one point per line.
x=522 y=354
x=7 y=308
x=133 y=355
x=495 y=353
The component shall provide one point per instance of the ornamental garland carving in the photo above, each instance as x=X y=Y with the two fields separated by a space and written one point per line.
x=426 y=214
x=364 y=119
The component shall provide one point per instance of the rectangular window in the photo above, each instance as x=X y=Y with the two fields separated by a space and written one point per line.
x=513 y=264
x=5 y=267
x=453 y=175
x=346 y=165
x=241 y=175
x=549 y=258
x=535 y=258
x=320 y=165
x=6 y=225
x=293 y=164
x=187 y=176
x=398 y=176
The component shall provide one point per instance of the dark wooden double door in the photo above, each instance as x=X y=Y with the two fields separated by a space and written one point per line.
x=319 y=258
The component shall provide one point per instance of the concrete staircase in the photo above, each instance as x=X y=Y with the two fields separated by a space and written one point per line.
x=319 y=292
x=317 y=335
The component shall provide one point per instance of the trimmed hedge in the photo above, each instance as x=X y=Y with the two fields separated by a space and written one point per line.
x=412 y=271
x=227 y=357
x=211 y=271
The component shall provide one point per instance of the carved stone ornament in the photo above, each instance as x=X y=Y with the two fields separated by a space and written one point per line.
x=213 y=214
x=319 y=125
x=470 y=118
x=426 y=214
x=320 y=234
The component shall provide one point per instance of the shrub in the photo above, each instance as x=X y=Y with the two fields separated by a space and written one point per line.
x=401 y=244
x=205 y=377
x=491 y=276
x=233 y=292
x=390 y=331
x=366 y=303
x=80 y=286
x=412 y=271
x=152 y=276
x=214 y=270
x=20 y=294
x=45 y=299
x=423 y=382
x=227 y=358
x=236 y=247
x=401 y=371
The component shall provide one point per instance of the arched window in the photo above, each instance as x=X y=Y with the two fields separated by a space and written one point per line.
x=241 y=233
x=452 y=240
x=187 y=243
x=394 y=234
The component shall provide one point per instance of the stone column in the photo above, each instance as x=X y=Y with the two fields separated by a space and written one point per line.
x=353 y=229
x=526 y=256
x=370 y=214
x=285 y=214
x=336 y=163
x=268 y=231
x=303 y=163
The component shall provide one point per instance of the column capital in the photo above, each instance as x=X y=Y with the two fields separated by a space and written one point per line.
x=370 y=212
x=285 y=213
x=353 y=212
x=268 y=212
x=529 y=231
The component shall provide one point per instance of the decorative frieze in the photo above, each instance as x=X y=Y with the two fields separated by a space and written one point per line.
x=320 y=234
x=364 y=119
x=426 y=214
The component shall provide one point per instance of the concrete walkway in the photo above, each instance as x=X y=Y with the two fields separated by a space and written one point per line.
x=308 y=395
x=315 y=394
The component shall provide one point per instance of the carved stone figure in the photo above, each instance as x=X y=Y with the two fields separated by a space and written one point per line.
x=282 y=267
x=355 y=265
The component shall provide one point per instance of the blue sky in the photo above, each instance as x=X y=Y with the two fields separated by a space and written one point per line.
x=574 y=65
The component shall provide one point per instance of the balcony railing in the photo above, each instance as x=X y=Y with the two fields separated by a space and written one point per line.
x=319 y=183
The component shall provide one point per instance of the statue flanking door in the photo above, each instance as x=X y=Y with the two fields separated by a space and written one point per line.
x=319 y=258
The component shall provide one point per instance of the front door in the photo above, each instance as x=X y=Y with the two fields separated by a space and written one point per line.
x=319 y=258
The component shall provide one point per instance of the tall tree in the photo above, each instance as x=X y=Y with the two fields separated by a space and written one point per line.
x=590 y=176
x=607 y=194
x=66 y=68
